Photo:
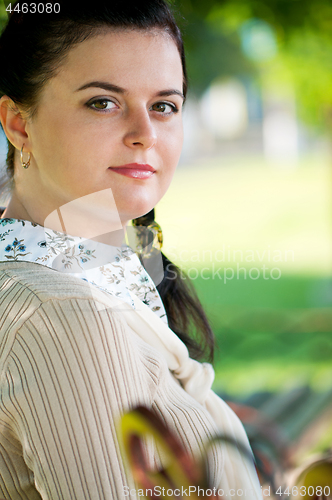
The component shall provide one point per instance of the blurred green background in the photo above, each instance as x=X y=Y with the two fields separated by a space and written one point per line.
x=253 y=189
x=223 y=220
x=260 y=195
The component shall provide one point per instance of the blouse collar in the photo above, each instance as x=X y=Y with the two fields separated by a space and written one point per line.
x=115 y=270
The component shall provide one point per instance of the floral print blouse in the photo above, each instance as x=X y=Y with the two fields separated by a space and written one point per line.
x=115 y=270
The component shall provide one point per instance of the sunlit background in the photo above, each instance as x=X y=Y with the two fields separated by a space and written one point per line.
x=248 y=216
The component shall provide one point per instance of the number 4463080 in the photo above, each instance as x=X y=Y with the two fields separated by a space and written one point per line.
x=33 y=8
x=311 y=491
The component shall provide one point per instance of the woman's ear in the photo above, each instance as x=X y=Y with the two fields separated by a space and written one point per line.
x=13 y=123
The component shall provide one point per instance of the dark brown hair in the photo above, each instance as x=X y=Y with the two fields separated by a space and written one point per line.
x=32 y=48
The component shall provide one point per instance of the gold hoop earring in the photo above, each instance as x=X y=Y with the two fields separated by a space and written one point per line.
x=27 y=163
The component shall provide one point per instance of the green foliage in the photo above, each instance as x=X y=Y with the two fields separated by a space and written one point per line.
x=307 y=63
x=303 y=32
x=212 y=54
x=3 y=14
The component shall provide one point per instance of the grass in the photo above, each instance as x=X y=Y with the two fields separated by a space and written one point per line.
x=248 y=206
x=269 y=334
x=222 y=223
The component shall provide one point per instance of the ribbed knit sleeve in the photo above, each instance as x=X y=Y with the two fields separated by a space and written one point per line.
x=68 y=372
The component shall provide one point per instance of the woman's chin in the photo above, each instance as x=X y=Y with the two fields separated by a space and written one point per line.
x=138 y=210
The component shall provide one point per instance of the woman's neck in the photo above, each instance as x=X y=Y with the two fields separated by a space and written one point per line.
x=16 y=210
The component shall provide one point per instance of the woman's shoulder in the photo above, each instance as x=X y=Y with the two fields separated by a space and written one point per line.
x=32 y=292
x=40 y=302
x=44 y=283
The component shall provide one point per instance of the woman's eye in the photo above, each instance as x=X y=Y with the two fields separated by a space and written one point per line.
x=101 y=104
x=164 y=108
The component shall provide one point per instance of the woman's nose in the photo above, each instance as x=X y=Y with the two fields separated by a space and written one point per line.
x=141 y=132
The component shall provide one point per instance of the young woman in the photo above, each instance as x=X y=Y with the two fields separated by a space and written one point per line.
x=91 y=105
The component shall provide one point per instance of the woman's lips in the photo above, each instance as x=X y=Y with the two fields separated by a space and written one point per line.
x=134 y=170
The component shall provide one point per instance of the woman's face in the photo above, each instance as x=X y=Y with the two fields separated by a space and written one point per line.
x=116 y=102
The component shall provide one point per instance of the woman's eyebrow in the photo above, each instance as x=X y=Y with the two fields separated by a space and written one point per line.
x=110 y=87
x=165 y=93
x=103 y=85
